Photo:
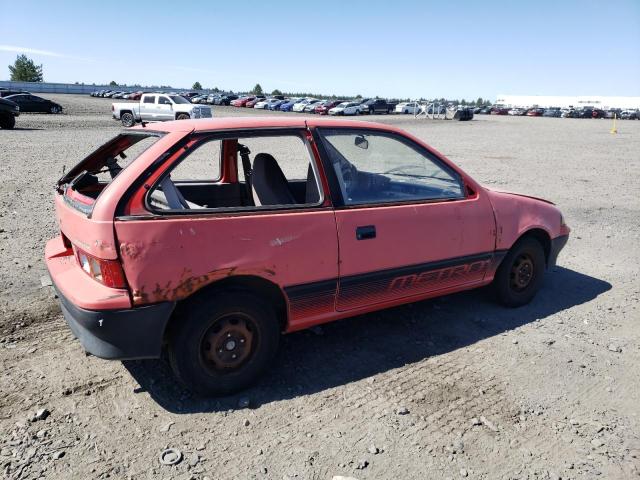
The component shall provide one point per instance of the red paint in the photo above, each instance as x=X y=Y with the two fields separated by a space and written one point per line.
x=173 y=257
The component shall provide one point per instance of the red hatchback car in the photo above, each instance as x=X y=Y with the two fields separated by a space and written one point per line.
x=212 y=237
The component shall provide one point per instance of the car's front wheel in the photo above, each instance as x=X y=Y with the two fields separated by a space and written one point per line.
x=222 y=343
x=7 y=122
x=519 y=276
x=54 y=109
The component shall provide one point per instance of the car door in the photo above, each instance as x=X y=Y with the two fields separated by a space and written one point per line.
x=407 y=224
x=148 y=108
x=164 y=108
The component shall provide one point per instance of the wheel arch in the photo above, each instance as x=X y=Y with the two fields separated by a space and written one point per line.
x=269 y=291
x=542 y=236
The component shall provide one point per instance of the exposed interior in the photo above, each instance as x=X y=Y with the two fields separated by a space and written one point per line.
x=269 y=171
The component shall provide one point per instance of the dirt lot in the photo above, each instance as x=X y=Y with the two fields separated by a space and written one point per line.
x=451 y=388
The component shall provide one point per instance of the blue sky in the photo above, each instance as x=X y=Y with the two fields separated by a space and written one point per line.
x=453 y=49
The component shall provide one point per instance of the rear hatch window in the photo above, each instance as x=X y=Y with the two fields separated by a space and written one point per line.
x=82 y=185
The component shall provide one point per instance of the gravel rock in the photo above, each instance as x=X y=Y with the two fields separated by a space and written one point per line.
x=614 y=348
x=58 y=455
x=373 y=450
x=41 y=414
x=402 y=411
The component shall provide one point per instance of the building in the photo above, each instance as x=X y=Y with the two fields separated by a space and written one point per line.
x=547 y=101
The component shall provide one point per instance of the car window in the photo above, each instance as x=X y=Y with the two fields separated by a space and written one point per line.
x=378 y=167
x=201 y=164
x=164 y=101
x=179 y=99
x=150 y=99
x=281 y=174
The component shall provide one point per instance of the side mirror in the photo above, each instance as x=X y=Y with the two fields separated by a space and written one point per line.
x=361 y=142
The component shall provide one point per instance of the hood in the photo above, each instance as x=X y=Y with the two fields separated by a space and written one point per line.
x=523 y=195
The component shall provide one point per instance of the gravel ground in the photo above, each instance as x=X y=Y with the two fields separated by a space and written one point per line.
x=450 y=388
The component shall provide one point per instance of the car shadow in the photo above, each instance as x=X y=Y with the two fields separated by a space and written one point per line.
x=350 y=350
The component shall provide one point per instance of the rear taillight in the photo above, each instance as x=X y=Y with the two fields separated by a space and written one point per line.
x=107 y=272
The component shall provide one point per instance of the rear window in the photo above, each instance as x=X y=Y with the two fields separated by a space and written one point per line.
x=83 y=184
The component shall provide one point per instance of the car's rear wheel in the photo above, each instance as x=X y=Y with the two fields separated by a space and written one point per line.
x=183 y=116
x=223 y=343
x=520 y=275
x=127 y=119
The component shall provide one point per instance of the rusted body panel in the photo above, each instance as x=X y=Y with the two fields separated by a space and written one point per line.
x=178 y=256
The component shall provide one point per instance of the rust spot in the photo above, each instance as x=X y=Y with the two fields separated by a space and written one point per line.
x=131 y=250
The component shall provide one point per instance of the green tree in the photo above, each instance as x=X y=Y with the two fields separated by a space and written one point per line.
x=257 y=90
x=479 y=102
x=463 y=102
x=197 y=86
x=24 y=70
x=113 y=83
x=276 y=92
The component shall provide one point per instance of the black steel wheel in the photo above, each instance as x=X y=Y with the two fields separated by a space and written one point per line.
x=222 y=343
x=520 y=275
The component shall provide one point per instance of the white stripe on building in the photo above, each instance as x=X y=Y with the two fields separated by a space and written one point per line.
x=547 y=101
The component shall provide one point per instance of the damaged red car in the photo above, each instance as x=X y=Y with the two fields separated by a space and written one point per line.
x=210 y=238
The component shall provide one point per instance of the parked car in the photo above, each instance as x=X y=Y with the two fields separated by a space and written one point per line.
x=241 y=101
x=346 y=108
x=517 y=112
x=225 y=99
x=287 y=106
x=32 y=103
x=151 y=260
x=7 y=93
x=251 y=103
x=8 y=112
x=408 y=107
x=377 y=105
x=262 y=104
x=311 y=106
x=552 y=112
x=485 y=110
x=157 y=107
x=535 y=112
x=198 y=98
x=630 y=115
x=276 y=103
x=324 y=107
x=499 y=111
x=299 y=106
x=598 y=113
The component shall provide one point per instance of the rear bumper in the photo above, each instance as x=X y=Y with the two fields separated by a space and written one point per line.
x=126 y=334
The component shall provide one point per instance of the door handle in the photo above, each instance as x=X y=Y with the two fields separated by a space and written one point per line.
x=366 y=232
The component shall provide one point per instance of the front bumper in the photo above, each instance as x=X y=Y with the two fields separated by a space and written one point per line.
x=125 y=334
x=557 y=244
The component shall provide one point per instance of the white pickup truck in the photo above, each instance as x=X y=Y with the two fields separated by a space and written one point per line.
x=158 y=107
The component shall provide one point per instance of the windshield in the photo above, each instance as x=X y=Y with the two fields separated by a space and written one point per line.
x=178 y=99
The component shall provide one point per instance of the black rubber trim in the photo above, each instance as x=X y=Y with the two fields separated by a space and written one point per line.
x=557 y=244
x=127 y=334
x=295 y=292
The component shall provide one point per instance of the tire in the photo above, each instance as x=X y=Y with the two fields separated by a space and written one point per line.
x=202 y=357
x=520 y=275
x=127 y=119
x=7 y=122
x=183 y=116
x=54 y=109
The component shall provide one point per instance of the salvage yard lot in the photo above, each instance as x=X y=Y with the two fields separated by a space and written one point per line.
x=457 y=386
